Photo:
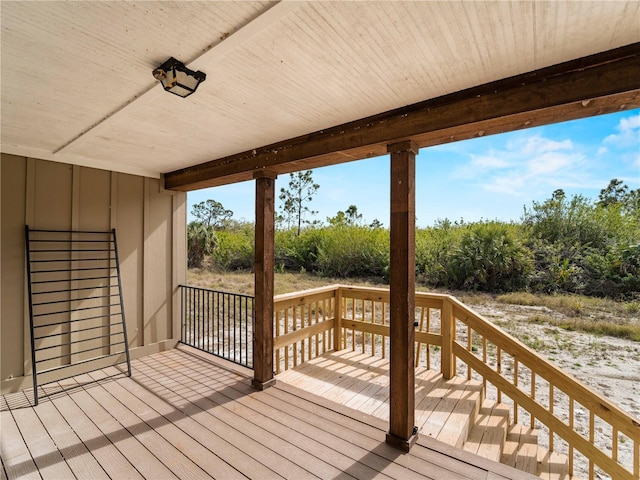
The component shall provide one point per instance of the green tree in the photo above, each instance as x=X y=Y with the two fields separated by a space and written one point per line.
x=349 y=217
x=614 y=194
x=201 y=241
x=296 y=197
x=211 y=213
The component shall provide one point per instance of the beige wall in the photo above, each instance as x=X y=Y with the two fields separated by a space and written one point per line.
x=151 y=233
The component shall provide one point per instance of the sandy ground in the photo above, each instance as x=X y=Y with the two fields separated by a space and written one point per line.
x=609 y=366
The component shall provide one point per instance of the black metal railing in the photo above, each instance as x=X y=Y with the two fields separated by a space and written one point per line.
x=219 y=323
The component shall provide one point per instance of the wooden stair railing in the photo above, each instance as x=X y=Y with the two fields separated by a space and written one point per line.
x=458 y=341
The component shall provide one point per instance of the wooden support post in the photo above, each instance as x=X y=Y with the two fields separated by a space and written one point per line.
x=402 y=432
x=447 y=325
x=264 y=266
x=337 y=320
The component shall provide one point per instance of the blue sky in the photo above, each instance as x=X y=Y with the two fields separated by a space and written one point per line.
x=489 y=178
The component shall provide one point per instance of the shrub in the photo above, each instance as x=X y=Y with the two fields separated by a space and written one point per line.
x=297 y=252
x=353 y=251
x=235 y=250
x=490 y=258
x=433 y=246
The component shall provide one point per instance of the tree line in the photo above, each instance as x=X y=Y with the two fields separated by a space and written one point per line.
x=563 y=244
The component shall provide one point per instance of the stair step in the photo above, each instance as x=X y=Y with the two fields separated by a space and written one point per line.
x=488 y=435
x=450 y=416
x=526 y=454
x=458 y=426
x=512 y=445
x=518 y=436
x=552 y=465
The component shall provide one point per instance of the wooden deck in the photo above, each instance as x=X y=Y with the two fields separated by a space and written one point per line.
x=361 y=382
x=450 y=411
x=184 y=416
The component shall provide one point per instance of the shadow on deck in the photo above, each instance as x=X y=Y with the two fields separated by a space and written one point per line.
x=451 y=411
x=181 y=415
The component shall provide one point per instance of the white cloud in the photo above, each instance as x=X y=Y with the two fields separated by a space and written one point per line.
x=488 y=161
x=531 y=161
x=538 y=144
x=551 y=163
x=628 y=132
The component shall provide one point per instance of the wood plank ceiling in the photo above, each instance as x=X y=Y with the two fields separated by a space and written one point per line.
x=76 y=78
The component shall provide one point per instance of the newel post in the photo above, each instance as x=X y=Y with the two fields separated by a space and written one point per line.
x=402 y=297
x=447 y=326
x=264 y=280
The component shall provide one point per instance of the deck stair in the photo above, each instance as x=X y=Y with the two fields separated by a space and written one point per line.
x=521 y=448
x=489 y=433
x=452 y=411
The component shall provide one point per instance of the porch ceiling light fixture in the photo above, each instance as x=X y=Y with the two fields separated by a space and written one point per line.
x=178 y=79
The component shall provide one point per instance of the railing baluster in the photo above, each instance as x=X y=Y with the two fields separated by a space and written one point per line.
x=515 y=382
x=533 y=396
x=428 y=344
x=571 y=444
x=636 y=457
x=484 y=360
x=277 y=332
x=551 y=412
x=591 y=437
x=499 y=371
x=384 y=322
x=286 y=330
x=470 y=349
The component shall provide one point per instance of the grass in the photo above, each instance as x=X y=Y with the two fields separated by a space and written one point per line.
x=569 y=304
x=242 y=282
x=597 y=316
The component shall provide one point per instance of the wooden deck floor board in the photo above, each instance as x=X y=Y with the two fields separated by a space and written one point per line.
x=136 y=452
x=172 y=424
x=325 y=433
x=262 y=429
x=368 y=438
x=15 y=454
x=325 y=445
x=46 y=456
x=110 y=458
x=73 y=450
x=437 y=455
x=439 y=403
x=237 y=460
x=211 y=416
x=171 y=457
x=210 y=421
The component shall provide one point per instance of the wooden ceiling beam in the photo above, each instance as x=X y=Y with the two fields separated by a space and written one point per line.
x=602 y=83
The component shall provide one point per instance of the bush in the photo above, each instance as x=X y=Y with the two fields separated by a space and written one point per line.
x=353 y=251
x=297 y=253
x=433 y=247
x=235 y=250
x=489 y=258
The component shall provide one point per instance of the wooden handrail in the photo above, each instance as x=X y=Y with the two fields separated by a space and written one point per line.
x=361 y=315
x=547 y=370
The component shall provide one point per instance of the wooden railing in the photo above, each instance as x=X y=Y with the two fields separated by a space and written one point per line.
x=452 y=338
x=303 y=326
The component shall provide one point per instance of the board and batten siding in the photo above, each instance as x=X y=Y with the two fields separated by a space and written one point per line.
x=150 y=225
